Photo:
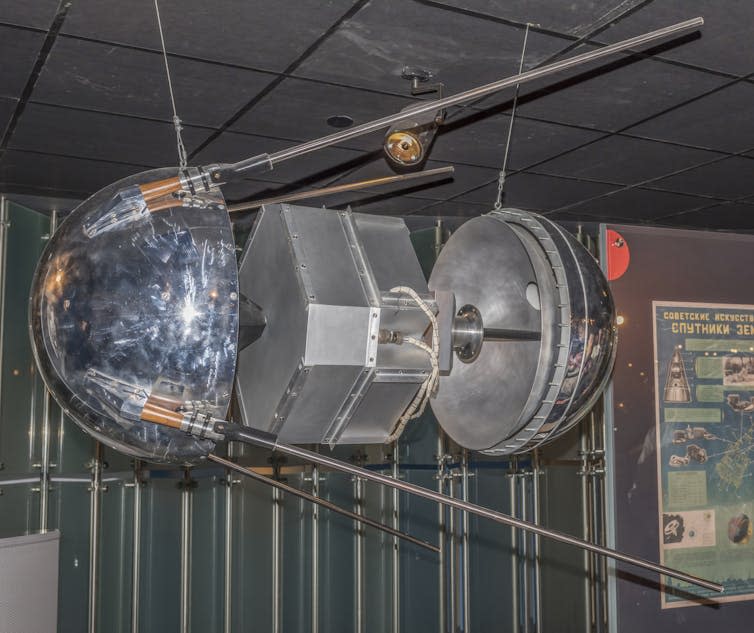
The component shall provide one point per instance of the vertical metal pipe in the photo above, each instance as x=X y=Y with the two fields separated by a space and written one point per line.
x=439 y=236
x=3 y=266
x=228 y=554
x=599 y=531
x=44 y=463
x=277 y=524
x=136 y=549
x=396 y=613
x=586 y=521
x=315 y=552
x=44 y=468
x=465 y=544
x=512 y=491
x=441 y=510
x=452 y=559
x=123 y=555
x=95 y=490
x=524 y=561
x=358 y=494
x=185 y=619
x=537 y=589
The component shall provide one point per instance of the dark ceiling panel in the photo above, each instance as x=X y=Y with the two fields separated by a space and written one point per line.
x=267 y=35
x=725 y=36
x=479 y=139
x=113 y=79
x=302 y=108
x=575 y=17
x=110 y=104
x=722 y=121
x=537 y=192
x=731 y=216
x=380 y=204
x=624 y=160
x=371 y=49
x=57 y=175
x=7 y=106
x=18 y=50
x=638 y=204
x=730 y=179
x=37 y=14
x=100 y=136
x=615 y=95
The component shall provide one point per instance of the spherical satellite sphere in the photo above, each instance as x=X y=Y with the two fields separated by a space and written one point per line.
x=130 y=303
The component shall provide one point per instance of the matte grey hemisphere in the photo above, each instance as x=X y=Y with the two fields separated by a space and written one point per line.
x=524 y=274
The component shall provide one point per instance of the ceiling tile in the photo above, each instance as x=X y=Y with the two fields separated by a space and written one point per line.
x=372 y=48
x=268 y=34
x=480 y=139
x=637 y=204
x=725 y=24
x=721 y=121
x=625 y=160
x=730 y=178
x=7 y=106
x=538 y=192
x=614 y=95
x=299 y=109
x=18 y=50
x=732 y=217
x=56 y=175
x=451 y=208
x=564 y=217
x=113 y=79
x=38 y=14
x=385 y=204
x=573 y=17
x=100 y=136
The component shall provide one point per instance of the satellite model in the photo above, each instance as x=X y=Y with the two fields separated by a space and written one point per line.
x=143 y=323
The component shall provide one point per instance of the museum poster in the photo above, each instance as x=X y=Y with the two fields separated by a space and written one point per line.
x=704 y=398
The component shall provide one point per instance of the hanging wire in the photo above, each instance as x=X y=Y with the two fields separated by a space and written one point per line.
x=501 y=177
x=182 y=155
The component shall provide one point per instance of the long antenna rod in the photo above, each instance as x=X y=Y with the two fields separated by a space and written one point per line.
x=267 y=161
x=210 y=176
x=266 y=440
x=351 y=186
x=296 y=492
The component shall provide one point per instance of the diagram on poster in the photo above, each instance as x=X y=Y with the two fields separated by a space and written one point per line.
x=704 y=392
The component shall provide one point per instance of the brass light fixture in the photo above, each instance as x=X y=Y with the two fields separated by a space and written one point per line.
x=407 y=142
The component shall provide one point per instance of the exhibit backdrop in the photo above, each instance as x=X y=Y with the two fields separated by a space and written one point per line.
x=681 y=421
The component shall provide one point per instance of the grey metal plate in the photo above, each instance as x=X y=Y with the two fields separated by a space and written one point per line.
x=266 y=276
x=486 y=265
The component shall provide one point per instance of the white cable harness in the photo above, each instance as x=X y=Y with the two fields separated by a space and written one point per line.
x=429 y=386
